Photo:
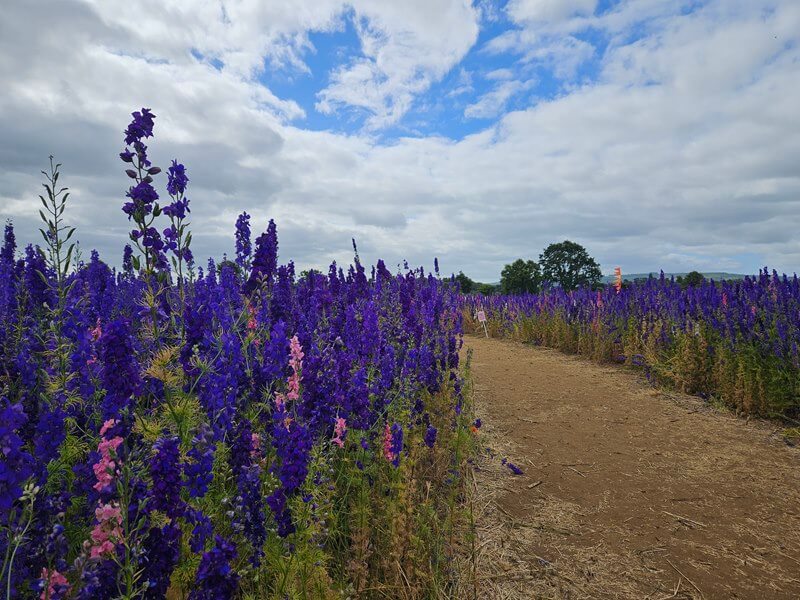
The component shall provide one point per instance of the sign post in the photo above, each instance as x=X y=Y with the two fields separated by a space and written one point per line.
x=482 y=320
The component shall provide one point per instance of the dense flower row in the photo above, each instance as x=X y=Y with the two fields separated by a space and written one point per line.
x=734 y=340
x=233 y=430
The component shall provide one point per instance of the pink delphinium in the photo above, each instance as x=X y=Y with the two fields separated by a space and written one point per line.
x=296 y=362
x=339 y=431
x=51 y=580
x=97 y=331
x=255 y=443
x=108 y=530
x=105 y=468
x=387 y=444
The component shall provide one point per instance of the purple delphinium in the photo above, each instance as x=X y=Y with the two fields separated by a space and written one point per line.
x=243 y=245
x=141 y=127
x=142 y=207
x=202 y=531
x=292 y=442
x=198 y=470
x=119 y=373
x=48 y=437
x=430 y=436
x=176 y=179
x=216 y=579
x=9 y=245
x=165 y=471
x=162 y=549
x=397 y=443
x=127 y=260
x=265 y=259
x=17 y=464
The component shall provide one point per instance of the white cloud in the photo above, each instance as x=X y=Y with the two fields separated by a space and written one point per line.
x=687 y=146
x=494 y=102
x=549 y=10
x=405 y=47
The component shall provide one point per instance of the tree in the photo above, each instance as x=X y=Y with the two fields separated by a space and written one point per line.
x=487 y=289
x=692 y=279
x=569 y=265
x=520 y=277
x=466 y=284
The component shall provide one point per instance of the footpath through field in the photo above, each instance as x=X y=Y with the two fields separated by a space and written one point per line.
x=627 y=492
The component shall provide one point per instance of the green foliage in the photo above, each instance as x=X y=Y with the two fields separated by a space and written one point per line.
x=467 y=285
x=520 y=277
x=569 y=265
x=693 y=279
x=487 y=289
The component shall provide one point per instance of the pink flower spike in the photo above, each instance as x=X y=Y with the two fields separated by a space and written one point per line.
x=96 y=332
x=338 y=431
x=51 y=580
x=387 y=444
x=107 y=425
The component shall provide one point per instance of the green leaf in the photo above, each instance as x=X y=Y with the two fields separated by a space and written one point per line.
x=135 y=262
x=69 y=256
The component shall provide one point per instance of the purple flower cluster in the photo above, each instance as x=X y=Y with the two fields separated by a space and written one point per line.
x=216 y=579
x=744 y=333
x=243 y=245
x=165 y=472
x=197 y=470
x=249 y=370
x=16 y=464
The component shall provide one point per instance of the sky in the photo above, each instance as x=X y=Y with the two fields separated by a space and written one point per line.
x=660 y=134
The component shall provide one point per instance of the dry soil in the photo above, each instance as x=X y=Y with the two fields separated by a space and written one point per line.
x=628 y=491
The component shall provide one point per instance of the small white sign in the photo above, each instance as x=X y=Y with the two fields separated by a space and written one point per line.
x=481 y=317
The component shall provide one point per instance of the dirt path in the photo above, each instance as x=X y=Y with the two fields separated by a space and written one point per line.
x=628 y=492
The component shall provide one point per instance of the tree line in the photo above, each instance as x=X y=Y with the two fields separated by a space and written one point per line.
x=565 y=264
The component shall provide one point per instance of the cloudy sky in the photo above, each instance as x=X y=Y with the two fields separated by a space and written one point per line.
x=658 y=133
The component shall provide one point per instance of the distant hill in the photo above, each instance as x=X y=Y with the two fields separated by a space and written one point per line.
x=715 y=276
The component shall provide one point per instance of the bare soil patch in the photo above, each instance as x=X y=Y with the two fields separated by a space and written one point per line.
x=628 y=491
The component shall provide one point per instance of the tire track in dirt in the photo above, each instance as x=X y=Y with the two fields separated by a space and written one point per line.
x=628 y=492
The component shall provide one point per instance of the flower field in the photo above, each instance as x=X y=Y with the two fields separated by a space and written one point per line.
x=733 y=341
x=225 y=430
